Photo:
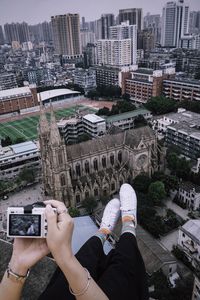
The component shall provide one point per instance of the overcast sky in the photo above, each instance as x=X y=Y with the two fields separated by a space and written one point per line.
x=35 y=11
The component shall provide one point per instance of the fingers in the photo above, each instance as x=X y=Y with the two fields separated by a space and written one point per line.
x=57 y=204
x=51 y=219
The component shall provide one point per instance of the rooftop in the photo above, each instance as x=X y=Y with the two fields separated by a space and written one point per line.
x=193 y=228
x=144 y=71
x=127 y=115
x=64 y=122
x=15 y=92
x=18 y=149
x=93 y=118
x=189 y=186
x=185 y=128
x=46 y=95
x=184 y=116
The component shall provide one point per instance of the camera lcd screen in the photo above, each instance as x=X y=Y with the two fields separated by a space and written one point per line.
x=24 y=225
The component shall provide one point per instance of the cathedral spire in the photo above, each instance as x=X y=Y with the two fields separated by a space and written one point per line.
x=43 y=123
x=55 y=138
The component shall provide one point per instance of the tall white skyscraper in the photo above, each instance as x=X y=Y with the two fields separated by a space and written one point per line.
x=114 y=52
x=126 y=31
x=175 y=23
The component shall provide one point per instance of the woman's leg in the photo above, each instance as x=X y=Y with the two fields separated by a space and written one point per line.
x=125 y=276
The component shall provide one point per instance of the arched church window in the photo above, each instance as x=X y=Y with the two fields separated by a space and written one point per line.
x=96 y=192
x=112 y=186
x=87 y=167
x=120 y=157
x=95 y=162
x=104 y=162
x=105 y=192
x=70 y=171
x=112 y=159
x=62 y=180
x=78 y=198
x=121 y=182
x=78 y=170
x=60 y=158
x=87 y=194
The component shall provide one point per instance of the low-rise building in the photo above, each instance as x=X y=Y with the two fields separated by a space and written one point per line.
x=126 y=120
x=189 y=194
x=86 y=79
x=17 y=157
x=94 y=125
x=189 y=241
x=7 y=81
x=181 y=90
x=14 y=100
x=145 y=84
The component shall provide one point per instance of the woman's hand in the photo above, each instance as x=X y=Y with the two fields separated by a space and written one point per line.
x=26 y=253
x=60 y=229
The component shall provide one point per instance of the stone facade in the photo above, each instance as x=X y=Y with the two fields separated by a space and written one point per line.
x=95 y=168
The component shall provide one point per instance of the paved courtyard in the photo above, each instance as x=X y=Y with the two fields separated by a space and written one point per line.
x=26 y=196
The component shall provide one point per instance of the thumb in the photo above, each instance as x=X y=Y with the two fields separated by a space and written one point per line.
x=51 y=219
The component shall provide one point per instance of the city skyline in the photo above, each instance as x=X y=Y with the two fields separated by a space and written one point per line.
x=18 y=11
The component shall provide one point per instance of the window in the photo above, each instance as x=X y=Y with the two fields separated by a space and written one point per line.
x=183 y=234
x=78 y=170
x=112 y=159
x=104 y=162
x=87 y=167
x=113 y=186
x=87 y=195
x=121 y=182
x=96 y=192
x=120 y=157
x=62 y=180
x=78 y=198
x=105 y=192
x=95 y=162
x=60 y=159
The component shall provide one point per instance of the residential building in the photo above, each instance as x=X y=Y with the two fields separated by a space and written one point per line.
x=143 y=84
x=114 y=52
x=125 y=121
x=189 y=194
x=73 y=173
x=194 y=24
x=191 y=42
x=7 y=81
x=181 y=90
x=86 y=79
x=14 y=158
x=87 y=37
x=90 y=55
x=153 y=22
x=107 y=20
x=2 y=40
x=146 y=40
x=189 y=241
x=133 y=15
x=184 y=133
x=14 y=100
x=17 y=32
x=111 y=75
x=196 y=289
x=175 y=23
x=66 y=35
x=126 y=31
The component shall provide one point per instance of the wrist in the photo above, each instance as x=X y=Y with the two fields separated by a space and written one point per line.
x=63 y=256
x=18 y=267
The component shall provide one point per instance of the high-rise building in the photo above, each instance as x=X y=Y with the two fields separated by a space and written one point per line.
x=90 y=55
x=17 y=32
x=87 y=37
x=194 y=25
x=114 y=52
x=66 y=35
x=126 y=31
x=146 y=40
x=47 y=32
x=175 y=23
x=153 y=23
x=1 y=36
x=107 y=20
x=133 y=15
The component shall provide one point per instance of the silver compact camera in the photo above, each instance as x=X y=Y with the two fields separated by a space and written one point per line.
x=27 y=222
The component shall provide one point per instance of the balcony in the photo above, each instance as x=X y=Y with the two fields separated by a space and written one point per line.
x=190 y=247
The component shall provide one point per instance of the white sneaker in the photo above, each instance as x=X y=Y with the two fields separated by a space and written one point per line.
x=128 y=201
x=110 y=216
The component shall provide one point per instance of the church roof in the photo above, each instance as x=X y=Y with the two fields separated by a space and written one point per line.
x=130 y=138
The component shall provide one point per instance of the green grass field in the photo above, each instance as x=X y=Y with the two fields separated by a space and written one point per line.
x=27 y=128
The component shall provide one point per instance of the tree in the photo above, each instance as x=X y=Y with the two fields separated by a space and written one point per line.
x=89 y=204
x=170 y=181
x=161 y=105
x=74 y=212
x=83 y=138
x=6 y=141
x=141 y=183
x=19 y=140
x=140 y=121
x=156 y=192
x=27 y=175
x=126 y=97
x=103 y=111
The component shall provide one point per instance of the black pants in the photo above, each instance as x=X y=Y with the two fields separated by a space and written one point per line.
x=121 y=274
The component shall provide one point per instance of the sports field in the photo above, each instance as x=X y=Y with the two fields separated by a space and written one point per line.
x=27 y=128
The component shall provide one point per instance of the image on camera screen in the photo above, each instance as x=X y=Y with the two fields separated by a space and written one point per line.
x=24 y=225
